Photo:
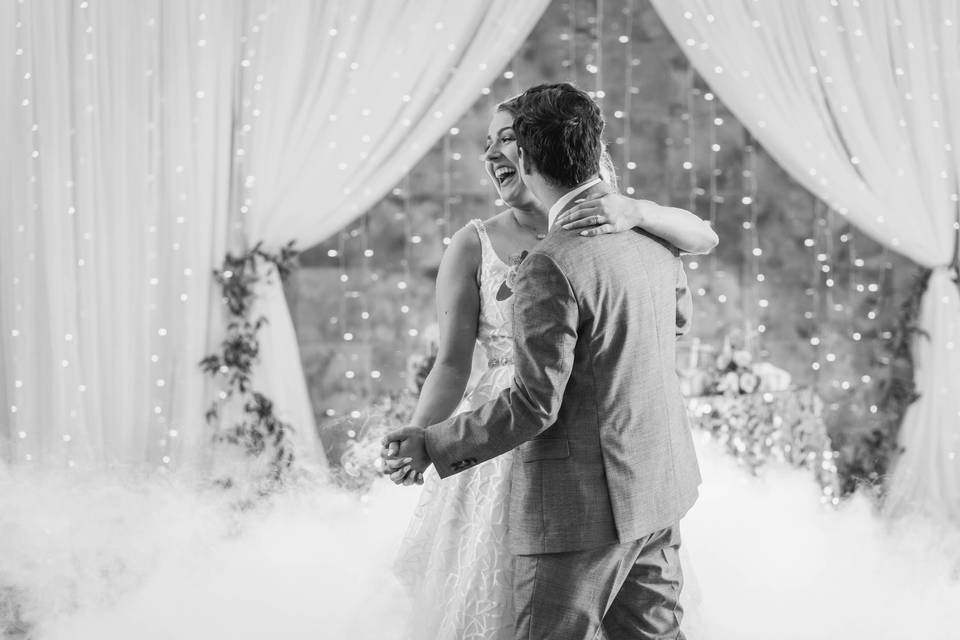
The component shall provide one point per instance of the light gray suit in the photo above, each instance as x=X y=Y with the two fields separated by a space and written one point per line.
x=605 y=465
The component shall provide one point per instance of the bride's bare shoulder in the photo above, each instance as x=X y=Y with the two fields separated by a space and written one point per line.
x=500 y=222
x=464 y=251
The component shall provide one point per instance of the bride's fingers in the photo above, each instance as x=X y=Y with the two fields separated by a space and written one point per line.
x=400 y=475
x=392 y=464
x=594 y=219
x=584 y=218
x=578 y=211
x=596 y=231
x=419 y=478
x=411 y=478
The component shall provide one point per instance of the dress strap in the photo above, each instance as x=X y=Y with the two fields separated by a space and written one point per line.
x=486 y=248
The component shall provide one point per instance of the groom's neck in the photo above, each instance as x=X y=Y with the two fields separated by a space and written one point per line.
x=550 y=194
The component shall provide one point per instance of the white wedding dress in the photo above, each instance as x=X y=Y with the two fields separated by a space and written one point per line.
x=454 y=559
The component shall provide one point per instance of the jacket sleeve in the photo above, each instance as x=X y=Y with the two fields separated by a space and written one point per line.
x=545 y=319
x=684 y=302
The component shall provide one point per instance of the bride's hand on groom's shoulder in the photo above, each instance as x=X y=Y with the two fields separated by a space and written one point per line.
x=602 y=213
x=404 y=456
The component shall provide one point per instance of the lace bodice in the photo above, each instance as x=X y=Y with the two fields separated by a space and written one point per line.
x=495 y=324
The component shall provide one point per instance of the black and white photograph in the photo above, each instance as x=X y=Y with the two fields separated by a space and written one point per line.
x=480 y=319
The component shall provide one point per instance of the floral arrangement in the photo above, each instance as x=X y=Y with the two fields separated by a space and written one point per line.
x=754 y=411
x=785 y=426
x=731 y=372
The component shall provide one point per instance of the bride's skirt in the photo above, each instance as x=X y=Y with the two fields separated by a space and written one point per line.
x=454 y=559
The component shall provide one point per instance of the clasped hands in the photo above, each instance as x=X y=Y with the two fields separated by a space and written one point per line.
x=404 y=455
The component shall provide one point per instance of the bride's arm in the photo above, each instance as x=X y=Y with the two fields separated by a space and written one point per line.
x=614 y=212
x=458 y=309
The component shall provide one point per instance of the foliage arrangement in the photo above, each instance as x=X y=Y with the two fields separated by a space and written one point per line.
x=868 y=458
x=785 y=426
x=352 y=442
x=256 y=429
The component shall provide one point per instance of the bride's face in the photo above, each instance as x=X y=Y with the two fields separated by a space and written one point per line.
x=502 y=163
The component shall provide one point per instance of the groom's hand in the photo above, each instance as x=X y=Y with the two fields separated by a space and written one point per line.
x=405 y=456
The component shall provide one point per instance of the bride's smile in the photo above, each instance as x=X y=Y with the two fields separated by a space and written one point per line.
x=501 y=161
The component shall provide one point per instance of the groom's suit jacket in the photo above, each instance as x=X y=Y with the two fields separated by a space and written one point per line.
x=604 y=453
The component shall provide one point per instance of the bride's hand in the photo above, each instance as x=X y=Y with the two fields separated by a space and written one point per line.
x=399 y=469
x=606 y=213
x=401 y=472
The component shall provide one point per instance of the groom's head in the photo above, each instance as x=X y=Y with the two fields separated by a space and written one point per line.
x=559 y=130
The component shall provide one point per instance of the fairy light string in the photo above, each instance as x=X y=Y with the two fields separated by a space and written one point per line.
x=626 y=39
x=571 y=37
x=755 y=303
x=596 y=68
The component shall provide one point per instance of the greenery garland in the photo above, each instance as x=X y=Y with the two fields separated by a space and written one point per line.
x=875 y=450
x=259 y=429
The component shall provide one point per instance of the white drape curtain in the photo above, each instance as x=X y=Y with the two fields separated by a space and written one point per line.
x=344 y=99
x=860 y=102
x=144 y=139
x=114 y=204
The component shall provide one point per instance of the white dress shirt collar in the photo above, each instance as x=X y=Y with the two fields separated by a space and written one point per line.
x=559 y=205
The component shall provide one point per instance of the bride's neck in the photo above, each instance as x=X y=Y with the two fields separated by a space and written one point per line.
x=534 y=215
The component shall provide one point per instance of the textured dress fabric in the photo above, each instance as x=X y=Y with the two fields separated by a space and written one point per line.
x=454 y=558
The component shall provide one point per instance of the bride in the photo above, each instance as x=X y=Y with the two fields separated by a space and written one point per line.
x=453 y=558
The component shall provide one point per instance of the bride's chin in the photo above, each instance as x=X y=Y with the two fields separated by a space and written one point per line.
x=514 y=195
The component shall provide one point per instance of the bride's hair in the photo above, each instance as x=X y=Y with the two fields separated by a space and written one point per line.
x=608 y=172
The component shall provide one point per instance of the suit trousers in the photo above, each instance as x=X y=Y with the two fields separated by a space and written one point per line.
x=616 y=592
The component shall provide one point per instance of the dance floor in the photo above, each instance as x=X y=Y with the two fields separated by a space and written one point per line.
x=82 y=558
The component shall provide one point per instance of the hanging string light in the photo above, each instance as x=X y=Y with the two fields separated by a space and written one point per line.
x=414 y=240
x=596 y=68
x=456 y=162
x=689 y=141
x=16 y=412
x=814 y=244
x=368 y=278
x=715 y=199
x=445 y=222
x=755 y=303
x=830 y=276
x=626 y=39
x=570 y=35
x=156 y=366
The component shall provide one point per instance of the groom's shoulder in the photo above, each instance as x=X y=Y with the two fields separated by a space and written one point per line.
x=560 y=246
x=565 y=245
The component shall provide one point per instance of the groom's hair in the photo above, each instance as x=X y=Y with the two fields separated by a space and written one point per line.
x=559 y=128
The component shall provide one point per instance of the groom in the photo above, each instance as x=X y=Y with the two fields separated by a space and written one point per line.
x=605 y=466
